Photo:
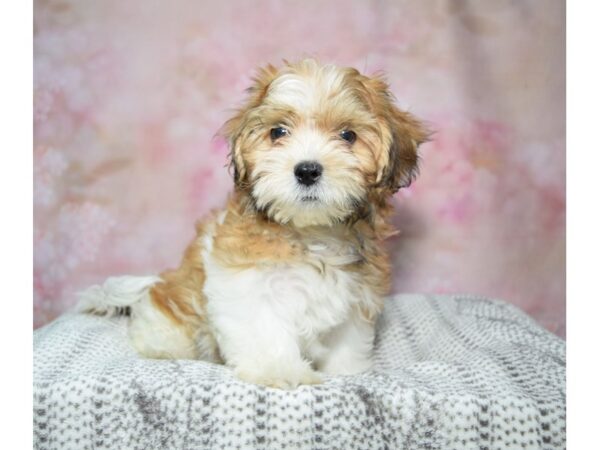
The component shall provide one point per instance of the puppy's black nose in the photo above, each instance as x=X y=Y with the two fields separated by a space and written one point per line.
x=308 y=172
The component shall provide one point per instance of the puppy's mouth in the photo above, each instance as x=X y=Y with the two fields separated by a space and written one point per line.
x=309 y=199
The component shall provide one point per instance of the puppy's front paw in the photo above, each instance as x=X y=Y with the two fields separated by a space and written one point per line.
x=278 y=376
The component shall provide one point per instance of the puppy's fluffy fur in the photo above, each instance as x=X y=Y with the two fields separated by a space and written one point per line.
x=287 y=281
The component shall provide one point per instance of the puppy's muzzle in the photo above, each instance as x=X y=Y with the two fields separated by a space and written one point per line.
x=308 y=172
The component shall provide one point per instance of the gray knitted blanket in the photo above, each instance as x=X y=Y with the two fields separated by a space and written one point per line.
x=451 y=372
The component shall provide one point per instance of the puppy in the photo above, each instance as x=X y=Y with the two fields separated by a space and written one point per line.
x=286 y=282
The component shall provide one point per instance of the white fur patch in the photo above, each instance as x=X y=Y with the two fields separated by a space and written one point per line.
x=272 y=322
x=293 y=91
x=115 y=293
x=305 y=92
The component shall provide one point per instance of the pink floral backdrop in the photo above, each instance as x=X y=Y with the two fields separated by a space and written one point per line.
x=128 y=96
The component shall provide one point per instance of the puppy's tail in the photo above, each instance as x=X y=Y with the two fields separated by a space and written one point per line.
x=116 y=295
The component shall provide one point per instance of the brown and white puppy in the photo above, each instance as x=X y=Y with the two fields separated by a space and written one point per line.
x=288 y=280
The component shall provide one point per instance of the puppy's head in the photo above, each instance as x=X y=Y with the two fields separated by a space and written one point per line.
x=318 y=144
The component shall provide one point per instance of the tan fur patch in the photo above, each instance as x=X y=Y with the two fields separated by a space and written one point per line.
x=180 y=296
x=247 y=240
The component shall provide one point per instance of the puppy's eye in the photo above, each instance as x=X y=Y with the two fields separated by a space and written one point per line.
x=278 y=132
x=349 y=136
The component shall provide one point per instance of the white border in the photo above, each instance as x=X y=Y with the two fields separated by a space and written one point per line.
x=16 y=193
x=583 y=223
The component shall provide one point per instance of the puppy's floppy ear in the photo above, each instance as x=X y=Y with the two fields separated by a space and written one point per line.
x=402 y=134
x=238 y=129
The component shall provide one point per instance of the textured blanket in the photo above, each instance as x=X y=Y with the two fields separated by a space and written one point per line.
x=451 y=372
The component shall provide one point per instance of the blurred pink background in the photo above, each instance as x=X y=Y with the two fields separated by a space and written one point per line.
x=128 y=96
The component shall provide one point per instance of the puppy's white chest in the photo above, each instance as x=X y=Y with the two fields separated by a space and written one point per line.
x=312 y=296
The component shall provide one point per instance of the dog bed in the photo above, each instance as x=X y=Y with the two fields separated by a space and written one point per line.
x=451 y=372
